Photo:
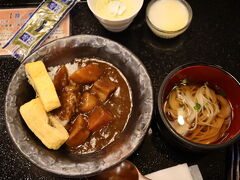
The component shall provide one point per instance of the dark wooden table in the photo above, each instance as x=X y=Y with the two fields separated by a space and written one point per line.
x=212 y=37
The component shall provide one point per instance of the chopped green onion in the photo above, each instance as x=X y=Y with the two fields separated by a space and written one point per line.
x=184 y=81
x=197 y=107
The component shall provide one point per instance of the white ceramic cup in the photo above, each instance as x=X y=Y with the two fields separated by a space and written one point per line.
x=114 y=25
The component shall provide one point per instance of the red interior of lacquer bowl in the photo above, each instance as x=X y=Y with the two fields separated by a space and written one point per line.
x=216 y=77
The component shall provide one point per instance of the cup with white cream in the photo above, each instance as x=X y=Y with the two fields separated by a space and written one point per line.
x=168 y=18
x=115 y=15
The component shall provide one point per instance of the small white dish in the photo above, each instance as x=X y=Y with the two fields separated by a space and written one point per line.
x=115 y=25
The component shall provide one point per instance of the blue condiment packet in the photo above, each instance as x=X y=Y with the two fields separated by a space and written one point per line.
x=38 y=27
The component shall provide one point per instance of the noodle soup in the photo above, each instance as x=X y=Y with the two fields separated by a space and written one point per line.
x=198 y=113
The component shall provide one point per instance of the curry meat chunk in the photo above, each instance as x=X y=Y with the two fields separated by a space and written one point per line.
x=103 y=88
x=61 y=78
x=87 y=74
x=99 y=118
x=69 y=98
x=68 y=93
x=89 y=101
x=78 y=133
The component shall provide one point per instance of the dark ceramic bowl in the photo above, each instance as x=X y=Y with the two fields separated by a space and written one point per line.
x=220 y=80
x=62 y=162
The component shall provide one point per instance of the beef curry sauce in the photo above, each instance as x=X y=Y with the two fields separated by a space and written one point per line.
x=96 y=104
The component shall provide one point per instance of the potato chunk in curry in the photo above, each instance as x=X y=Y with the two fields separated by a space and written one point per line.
x=89 y=101
x=87 y=74
x=103 y=88
x=99 y=118
x=78 y=133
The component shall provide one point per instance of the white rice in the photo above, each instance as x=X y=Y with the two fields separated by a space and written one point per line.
x=52 y=71
x=70 y=67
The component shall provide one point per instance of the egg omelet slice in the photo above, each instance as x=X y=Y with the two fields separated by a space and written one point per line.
x=40 y=80
x=47 y=129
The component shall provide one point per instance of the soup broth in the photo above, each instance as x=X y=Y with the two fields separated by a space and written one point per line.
x=198 y=113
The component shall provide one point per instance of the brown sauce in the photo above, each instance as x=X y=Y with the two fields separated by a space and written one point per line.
x=118 y=104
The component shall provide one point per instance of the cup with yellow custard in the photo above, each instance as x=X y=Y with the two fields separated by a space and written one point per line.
x=115 y=15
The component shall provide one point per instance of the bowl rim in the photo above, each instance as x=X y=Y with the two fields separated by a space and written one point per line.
x=190 y=15
x=7 y=122
x=168 y=125
x=116 y=20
